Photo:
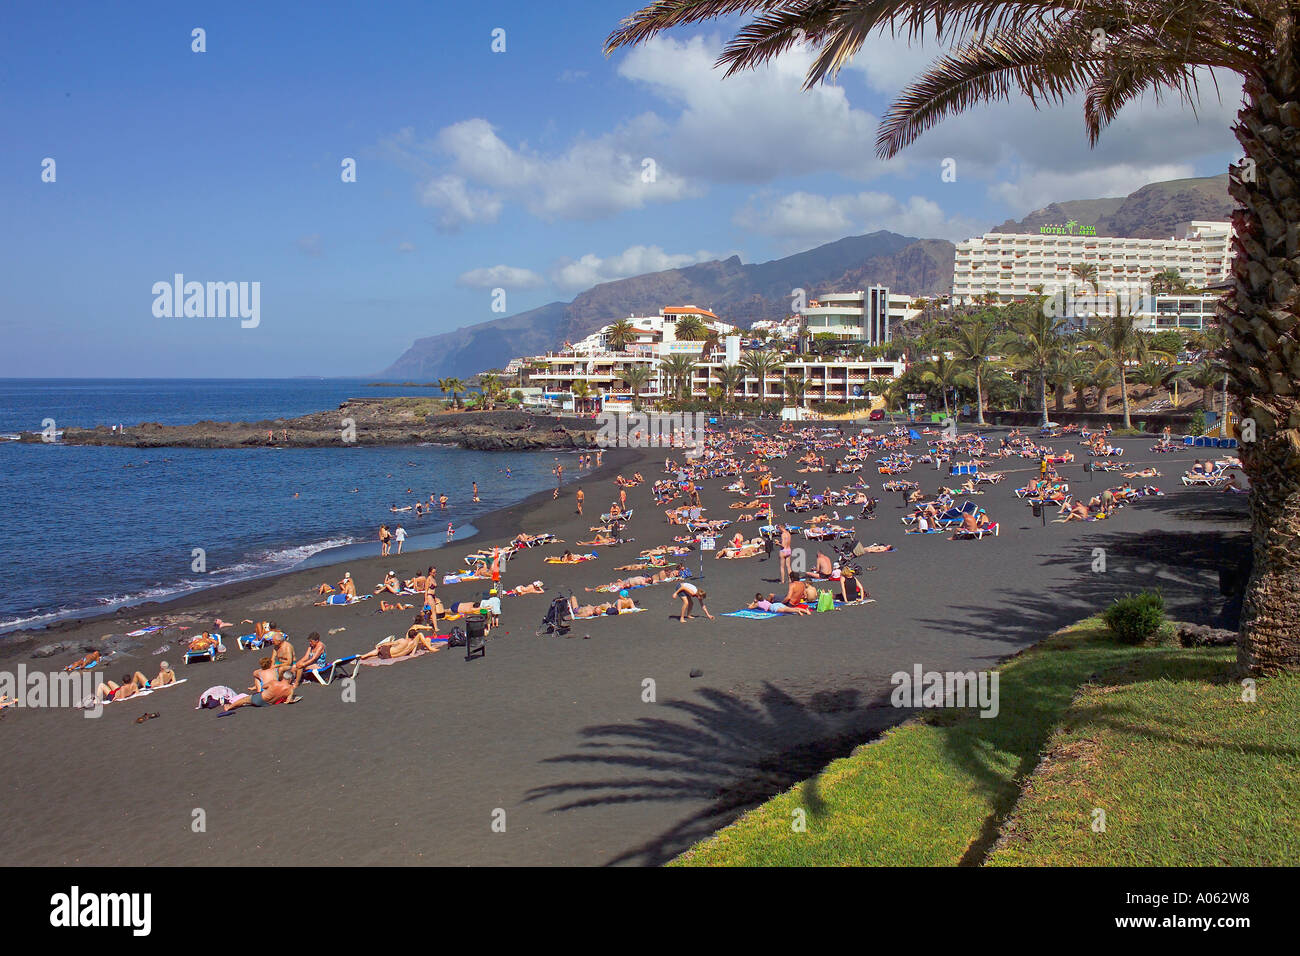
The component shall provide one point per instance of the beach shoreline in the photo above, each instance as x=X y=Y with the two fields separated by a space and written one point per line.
x=20 y=642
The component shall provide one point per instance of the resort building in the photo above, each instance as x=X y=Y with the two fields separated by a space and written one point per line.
x=1015 y=266
x=603 y=369
x=867 y=316
x=1190 y=312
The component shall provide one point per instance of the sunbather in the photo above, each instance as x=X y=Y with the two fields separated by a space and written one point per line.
x=770 y=603
x=396 y=648
x=268 y=688
x=130 y=686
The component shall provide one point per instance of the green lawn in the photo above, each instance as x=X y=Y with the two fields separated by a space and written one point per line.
x=937 y=790
x=1187 y=773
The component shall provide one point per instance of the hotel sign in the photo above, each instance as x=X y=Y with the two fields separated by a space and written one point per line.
x=1071 y=228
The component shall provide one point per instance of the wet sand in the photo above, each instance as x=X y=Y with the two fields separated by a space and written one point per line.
x=551 y=734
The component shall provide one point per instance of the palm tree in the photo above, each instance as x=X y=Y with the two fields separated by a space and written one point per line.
x=1103 y=380
x=795 y=389
x=1048 y=51
x=1152 y=375
x=761 y=364
x=690 y=328
x=491 y=385
x=945 y=373
x=1062 y=372
x=1080 y=380
x=581 y=393
x=1034 y=341
x=619 y=334
x=971 y=343
x=1167 y=280
x=1205 y=375
x=678 y=369
x=451 y=386
x=730 y=378
x=1117 y=340
x=636 y=378
x=1085 y=272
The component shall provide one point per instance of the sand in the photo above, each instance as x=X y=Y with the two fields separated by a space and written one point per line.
x=547 y=751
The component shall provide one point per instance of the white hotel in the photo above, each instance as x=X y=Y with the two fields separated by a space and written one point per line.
x=1013 y=265
x=593 y=361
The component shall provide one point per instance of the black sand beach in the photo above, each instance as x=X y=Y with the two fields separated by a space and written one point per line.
x=551 y=734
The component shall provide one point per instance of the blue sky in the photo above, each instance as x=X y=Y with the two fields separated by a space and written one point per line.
x=476 y=170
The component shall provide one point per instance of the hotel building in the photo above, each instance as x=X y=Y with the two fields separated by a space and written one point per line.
x=1015 y=265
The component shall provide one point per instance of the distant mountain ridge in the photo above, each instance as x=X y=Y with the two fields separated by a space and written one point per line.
x=742 y=294
x=738 y=293
x=1152 y=212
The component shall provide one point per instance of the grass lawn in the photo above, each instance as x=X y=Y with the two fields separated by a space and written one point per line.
x=937 y=790
x=1187 y=773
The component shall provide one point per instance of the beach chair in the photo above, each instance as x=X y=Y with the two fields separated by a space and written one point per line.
x=963 y=534
x=251 y=642
x=323 y=672
x=208 y=653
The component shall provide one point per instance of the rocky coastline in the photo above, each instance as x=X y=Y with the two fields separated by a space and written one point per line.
x=360 y=421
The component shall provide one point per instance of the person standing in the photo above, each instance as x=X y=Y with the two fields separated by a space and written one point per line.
x=385 y=540
x=400 y=537
x=476 y=491
x=787 y=550
x=579 y=496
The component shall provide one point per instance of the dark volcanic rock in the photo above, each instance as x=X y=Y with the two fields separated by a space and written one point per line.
x=378 y=421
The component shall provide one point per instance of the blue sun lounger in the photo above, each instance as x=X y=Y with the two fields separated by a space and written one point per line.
x=208 y=653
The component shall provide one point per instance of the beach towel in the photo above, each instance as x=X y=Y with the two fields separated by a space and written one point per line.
x=344 y=599
x=752 y=614
x=145 y=630
x=420 y=652
x=147 y=691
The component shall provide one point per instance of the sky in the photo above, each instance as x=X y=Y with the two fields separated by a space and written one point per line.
x=540 y=168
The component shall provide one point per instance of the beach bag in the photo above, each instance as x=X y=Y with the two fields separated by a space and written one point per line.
x=456 y=638
x=825 y=601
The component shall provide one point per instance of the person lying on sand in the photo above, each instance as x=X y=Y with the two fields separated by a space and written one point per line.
x=749 y=549
x=388 y=650
x=1144 y=473
x=131 y=685
x=770 y=603
x=640 y=580
x=385 y=607
x=600 y=539
x=268 y=688
x=91 y=658
x=534 y=588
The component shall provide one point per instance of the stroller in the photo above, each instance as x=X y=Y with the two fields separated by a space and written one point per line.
x=559 y=618
x=848 y=553
x=869 y=509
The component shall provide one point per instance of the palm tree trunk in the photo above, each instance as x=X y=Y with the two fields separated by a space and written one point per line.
x=1042 y=394
x=979 y=397
x=1258 y=317
x=1123 y=394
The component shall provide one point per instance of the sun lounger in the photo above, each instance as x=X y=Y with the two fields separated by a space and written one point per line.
x=208 y=653
x=325 y=671
x=977 y=534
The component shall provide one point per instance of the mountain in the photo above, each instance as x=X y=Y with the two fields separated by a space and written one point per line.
x=737 y=292
x=1153 y=212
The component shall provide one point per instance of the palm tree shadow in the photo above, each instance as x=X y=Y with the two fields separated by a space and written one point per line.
x=728 y=753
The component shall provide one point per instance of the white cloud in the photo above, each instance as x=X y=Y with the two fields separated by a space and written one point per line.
x=801 y=218
x=753 y=126
x=1041 y=187
x=507 y=277
x=406 y=247
x=310 y=245
x=591 y=269
x=459 y=204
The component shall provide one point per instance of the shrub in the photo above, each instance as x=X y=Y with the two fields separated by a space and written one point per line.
x=1135 y=618
x=1197 y=424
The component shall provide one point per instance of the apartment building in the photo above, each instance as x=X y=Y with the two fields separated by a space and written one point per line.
x=1015 y=265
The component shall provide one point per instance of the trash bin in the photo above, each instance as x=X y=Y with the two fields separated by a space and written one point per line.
x=476 y=635
x=1038 y=509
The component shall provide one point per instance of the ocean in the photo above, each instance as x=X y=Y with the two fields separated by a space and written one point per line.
x=89 y=529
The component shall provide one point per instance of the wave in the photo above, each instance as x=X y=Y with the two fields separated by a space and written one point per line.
x=259 y=564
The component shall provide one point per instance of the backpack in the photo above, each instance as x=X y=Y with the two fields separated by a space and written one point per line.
x=825 y=601
x=456 y=638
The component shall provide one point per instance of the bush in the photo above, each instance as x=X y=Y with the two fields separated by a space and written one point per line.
x=1135 y=618
x=1197 y=424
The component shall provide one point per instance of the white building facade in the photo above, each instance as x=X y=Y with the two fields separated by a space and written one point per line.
x=1014 y=265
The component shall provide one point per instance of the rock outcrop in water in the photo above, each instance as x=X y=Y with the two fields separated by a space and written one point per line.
x=375 y=421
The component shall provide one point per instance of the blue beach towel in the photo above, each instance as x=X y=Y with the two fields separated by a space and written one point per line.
x=753 y=615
